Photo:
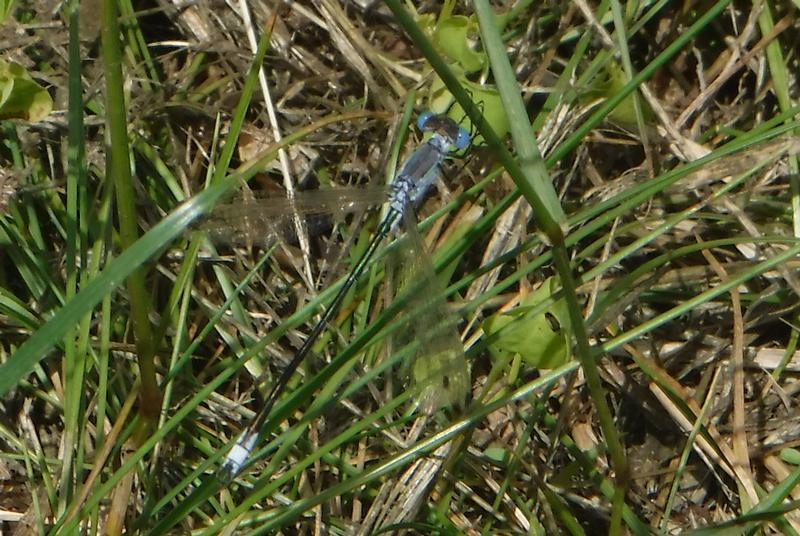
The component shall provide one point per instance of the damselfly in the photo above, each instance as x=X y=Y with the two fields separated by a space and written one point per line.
x=410 y=185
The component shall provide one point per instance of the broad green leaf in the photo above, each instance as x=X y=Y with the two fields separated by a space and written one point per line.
x=20 y=96
x=455 y=37
x=540 y=338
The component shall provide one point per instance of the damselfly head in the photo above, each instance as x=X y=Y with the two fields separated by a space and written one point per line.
x=445 y=126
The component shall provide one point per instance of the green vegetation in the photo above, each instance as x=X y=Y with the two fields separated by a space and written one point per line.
x=626 y=217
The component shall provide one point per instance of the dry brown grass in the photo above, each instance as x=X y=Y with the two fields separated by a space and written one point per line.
x=700 y=376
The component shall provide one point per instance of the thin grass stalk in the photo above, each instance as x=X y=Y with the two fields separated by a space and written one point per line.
x=118 y=166
x=684 y=458
x=535 y=173
x=781 y=82
x=145 y=70
x=119 y=169
x=627 y=66
x=534 y=182
x=75 y=342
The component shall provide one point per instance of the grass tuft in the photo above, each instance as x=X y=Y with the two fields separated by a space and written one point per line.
x=641 y=216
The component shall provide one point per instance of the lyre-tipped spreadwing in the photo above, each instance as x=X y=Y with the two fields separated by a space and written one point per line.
x=416 y=176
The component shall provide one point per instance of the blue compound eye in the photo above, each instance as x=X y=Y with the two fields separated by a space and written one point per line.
x=462 y=139
x=423 y=119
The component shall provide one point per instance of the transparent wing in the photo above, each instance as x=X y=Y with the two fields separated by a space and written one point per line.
x=439 y=367
x=260 y=219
